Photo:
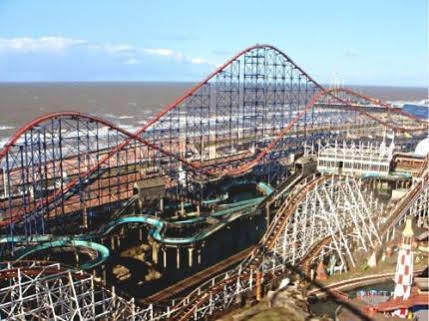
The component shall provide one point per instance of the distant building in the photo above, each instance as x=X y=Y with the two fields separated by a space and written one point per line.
x=355 y=159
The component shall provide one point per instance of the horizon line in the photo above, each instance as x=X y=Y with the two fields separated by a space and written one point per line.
x=182 y=81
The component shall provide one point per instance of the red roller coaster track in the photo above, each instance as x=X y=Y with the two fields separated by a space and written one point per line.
x=254 y=55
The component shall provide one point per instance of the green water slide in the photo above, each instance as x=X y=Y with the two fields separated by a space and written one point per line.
x=223 y=216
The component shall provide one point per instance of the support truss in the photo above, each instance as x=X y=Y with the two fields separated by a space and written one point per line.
x=32 y=290
x=329 y=215
x=338 y=208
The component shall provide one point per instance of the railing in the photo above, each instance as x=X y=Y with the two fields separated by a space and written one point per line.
x=404 y=205
x=242 y=278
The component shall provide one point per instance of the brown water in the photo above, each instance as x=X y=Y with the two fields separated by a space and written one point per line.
x=394 y=93
x=128 y=104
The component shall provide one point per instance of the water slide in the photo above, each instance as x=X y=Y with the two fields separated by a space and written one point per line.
x=223 y=216
x=102 y=251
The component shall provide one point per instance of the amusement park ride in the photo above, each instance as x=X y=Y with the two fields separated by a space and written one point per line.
x=71 y=180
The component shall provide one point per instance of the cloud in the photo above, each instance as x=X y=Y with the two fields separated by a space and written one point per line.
x=163 y=52
x=160 y=52
x=51 y=44
x=47 y=44
x=198 y=61
x=132 y=61
x=167 y=53
x=117 y=49
x=53 y=58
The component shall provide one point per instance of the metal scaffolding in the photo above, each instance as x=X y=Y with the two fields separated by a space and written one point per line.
x=330 y=208
x=330 y=215
x=256 y=110
x=415 y=203
x=338 y=208
x=36 y=290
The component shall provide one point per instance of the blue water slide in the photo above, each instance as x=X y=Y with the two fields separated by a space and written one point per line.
x=225 y=215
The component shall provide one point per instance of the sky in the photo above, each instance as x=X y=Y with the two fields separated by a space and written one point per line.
x=365 y=42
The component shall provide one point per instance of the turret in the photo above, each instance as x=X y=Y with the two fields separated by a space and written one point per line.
x=404 y=268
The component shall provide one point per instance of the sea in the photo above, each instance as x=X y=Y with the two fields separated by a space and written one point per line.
x=131 y=104
x=417 y=110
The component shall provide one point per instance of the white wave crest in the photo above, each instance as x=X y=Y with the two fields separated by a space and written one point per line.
x=3 y=141
x=4 y=127
x=112 y=116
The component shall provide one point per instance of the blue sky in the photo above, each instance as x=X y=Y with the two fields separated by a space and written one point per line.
x=374 y=42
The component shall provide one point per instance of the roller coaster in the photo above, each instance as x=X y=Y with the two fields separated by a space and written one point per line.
x=245 y=121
